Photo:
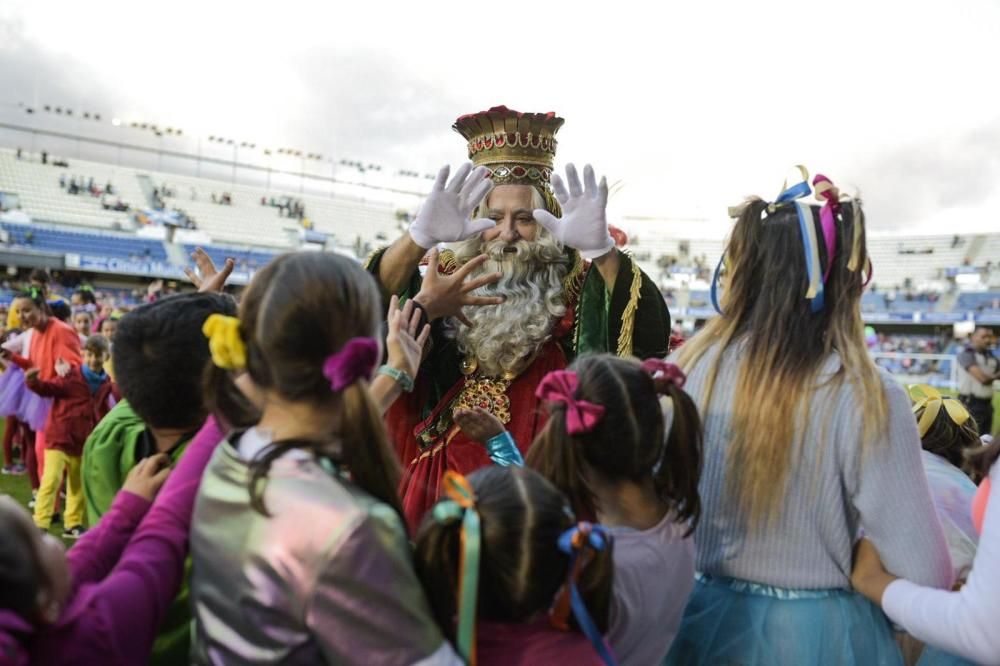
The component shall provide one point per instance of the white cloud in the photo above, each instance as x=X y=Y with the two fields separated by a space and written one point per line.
x=691 y=105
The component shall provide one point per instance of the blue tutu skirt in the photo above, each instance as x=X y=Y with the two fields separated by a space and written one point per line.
x=730 y=621
x=932 y=656
x=16 y=399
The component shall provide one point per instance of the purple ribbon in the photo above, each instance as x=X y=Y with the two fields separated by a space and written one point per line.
x=827 y=217
x=355 y=360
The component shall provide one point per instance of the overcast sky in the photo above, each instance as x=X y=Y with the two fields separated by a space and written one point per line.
x=690 y=105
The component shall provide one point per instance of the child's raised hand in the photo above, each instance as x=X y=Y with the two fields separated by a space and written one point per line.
x=147 y=477
x=478 y=424
x=404 y=343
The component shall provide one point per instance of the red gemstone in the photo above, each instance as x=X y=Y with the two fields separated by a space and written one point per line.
x=518 y=171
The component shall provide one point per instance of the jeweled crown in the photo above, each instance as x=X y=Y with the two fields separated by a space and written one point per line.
x=518 y=148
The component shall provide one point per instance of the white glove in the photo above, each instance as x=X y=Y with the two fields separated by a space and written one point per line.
x=584 y=224
x=444 y=216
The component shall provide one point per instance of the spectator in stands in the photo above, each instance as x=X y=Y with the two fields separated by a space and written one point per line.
x=108 y=188
x=159 y=355
x=978 y=368
x=45 y=157
x=62 y=181
x=19 y=153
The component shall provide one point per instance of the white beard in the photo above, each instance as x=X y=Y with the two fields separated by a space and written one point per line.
x=505 y=335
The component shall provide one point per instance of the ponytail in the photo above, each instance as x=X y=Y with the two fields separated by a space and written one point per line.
x=679 y=468
x=366 y=452
x=559 y=458
x=436 y=557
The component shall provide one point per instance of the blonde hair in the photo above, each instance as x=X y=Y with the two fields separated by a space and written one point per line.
x=783 y=347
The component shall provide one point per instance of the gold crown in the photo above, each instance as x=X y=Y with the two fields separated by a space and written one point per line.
x=518 y=148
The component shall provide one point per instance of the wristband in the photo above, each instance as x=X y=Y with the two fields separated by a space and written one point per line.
x=424 y=317
x=503 y=450
x=402 y=377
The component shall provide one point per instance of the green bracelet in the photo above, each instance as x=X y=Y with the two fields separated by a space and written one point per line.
x=402 y=377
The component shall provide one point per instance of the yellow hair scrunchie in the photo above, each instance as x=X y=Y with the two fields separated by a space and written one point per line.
x=930 y=400
x=224 y=342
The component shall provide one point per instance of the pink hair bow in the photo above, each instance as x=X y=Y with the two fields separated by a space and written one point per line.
x=560 y=386
x=828 y=192
x=355 y=360
x=664 y=372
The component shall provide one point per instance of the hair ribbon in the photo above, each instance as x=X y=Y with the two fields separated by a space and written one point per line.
x=224 y=342
x=461 y=505
x=661 y=371
x=355 y=360
x=559 y=386
x=928 y=398
x=579 y=543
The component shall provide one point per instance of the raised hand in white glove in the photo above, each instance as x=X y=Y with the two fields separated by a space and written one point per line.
x=444 y=216
x=584 y=221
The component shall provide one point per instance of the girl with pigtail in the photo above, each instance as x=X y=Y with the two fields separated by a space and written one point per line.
x=299 y=550
x=623 y=443
x=512 y=578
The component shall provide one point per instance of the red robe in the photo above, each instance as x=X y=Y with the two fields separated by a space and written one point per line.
x=436 y=444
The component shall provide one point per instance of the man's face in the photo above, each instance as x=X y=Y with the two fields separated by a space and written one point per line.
x=980 y=339
x=510 y=206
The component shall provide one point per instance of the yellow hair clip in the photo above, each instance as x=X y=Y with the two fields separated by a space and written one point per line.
x=224 y=342
x=930 y=400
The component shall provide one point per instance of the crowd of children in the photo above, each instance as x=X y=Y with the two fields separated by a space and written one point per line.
x=759 y=497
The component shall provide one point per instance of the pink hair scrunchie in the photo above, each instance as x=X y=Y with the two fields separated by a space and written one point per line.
x=664 y=372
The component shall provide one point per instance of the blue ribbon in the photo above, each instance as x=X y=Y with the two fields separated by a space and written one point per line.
x=503 y=450
x=598 y=539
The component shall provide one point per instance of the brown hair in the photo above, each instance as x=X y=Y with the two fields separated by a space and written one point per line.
x=521 y=567
x=629 y=443
x=299 y=310
x=981 y=459
x=98 y=344
x=947 y=439
x=783 y=345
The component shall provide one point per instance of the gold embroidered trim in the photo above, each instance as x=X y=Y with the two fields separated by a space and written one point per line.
x=370 y=259
x=447 y=262
x=628 y=316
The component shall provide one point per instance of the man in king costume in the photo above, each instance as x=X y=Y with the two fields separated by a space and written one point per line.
x=566 y=291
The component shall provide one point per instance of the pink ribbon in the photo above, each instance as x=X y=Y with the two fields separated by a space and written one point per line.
x=662 y=371
x=827 y=217
x=355 y=360
x=560 y=386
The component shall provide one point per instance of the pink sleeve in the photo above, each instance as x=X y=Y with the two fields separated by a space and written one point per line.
x=136 y=595
x=96 y=553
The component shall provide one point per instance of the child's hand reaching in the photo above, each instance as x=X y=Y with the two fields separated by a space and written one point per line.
x=146 y=478
x=404 y=343
x=868 y=575
x=478 y=424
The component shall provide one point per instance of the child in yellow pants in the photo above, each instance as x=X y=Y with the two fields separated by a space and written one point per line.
x=82 y=396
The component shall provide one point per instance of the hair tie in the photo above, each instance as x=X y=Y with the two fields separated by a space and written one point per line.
x=461 y=505
x=664 y=374
x=559 y=386
x=355 y=360
x=930 y=400
x=580 y=543
x=224 y=341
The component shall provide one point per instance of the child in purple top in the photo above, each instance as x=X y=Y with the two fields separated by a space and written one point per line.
x=636 y=471
x=103 y=601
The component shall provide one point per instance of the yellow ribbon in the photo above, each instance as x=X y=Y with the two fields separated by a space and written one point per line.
x=928 y=398
x=225 y=342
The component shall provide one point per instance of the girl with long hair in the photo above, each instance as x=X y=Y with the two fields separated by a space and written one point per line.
x=807 y=444
x=609 y=449
x=299 y=550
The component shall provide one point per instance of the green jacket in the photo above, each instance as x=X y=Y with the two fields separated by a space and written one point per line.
x=118 y=442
